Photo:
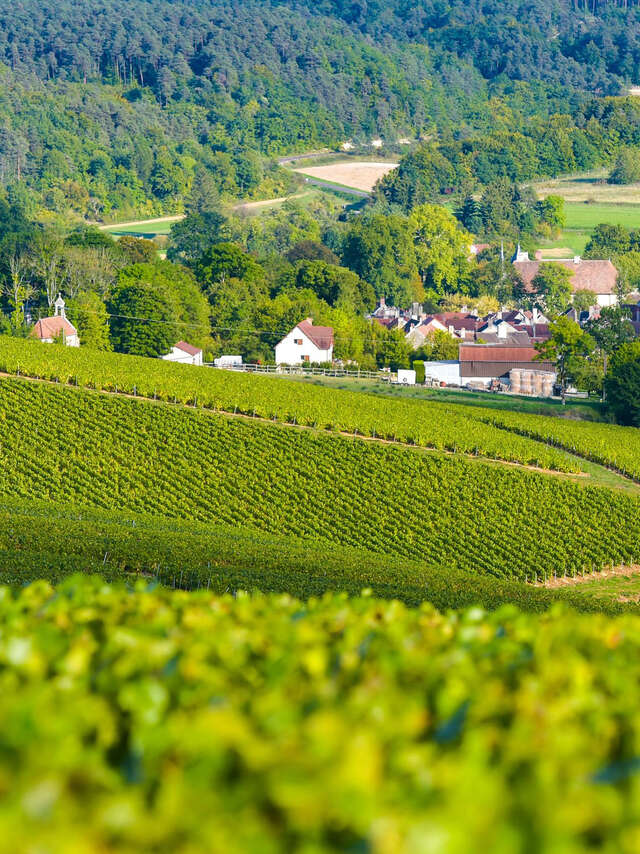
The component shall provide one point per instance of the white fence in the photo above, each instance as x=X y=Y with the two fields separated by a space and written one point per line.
x=302 y=371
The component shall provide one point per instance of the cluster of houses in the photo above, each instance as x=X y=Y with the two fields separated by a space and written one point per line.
x=499 y=349
x=494 y=350
x=490 y=348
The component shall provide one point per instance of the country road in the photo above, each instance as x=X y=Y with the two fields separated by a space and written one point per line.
x=241 y=207
x=133 y=223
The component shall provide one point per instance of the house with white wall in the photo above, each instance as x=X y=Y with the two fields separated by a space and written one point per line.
x=56 y=328
x=598 y=276
x=306 y=343
x=184 y=353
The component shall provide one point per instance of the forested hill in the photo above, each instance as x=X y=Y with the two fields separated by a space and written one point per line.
x=592 y=44
x=584 y=43
x=107 y=105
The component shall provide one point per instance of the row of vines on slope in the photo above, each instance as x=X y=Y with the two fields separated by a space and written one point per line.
x=414 y=422
x=40 y=540
x=62 y=444
x=610 y=445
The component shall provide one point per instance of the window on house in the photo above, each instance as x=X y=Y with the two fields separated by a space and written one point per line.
x=305 y=358
x=297 y=341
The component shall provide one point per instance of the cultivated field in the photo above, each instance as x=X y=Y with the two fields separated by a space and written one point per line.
x=361 y=175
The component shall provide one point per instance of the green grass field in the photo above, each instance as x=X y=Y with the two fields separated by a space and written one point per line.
x=581 y=216
x=148 y=229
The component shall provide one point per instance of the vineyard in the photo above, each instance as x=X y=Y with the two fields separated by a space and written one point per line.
x=44 y=540
x=421 y=423
x=152 y=720
x=612 y=446
x=68 y=445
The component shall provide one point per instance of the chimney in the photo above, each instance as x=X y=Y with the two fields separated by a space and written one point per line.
x=452 y=331
x=534 y=316
x=309 y=320
x=502 y=330
x=382 y=302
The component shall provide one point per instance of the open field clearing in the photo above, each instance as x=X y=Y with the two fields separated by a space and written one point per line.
x=582 y=218
x=149 y=228
x=587 y=216
x=361 y=175
x=590 y=187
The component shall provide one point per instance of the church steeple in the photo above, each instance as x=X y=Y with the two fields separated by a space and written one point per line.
x=59 y=306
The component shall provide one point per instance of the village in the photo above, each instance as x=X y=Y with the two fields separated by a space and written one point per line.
x=496 y=351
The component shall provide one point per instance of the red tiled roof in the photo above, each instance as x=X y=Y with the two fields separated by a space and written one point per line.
x=322 y=336
x=188 y=348
x=596 y=276
x=51 y=327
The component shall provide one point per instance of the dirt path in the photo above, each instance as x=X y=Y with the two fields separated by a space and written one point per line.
x=571 y=581
x=265 y=203
x=241 y=206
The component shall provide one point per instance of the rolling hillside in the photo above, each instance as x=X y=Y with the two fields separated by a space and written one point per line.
x=69 y=446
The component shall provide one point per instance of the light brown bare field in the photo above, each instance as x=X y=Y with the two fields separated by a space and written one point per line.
x=558 y=253
x=590 y=187
x=360 y=175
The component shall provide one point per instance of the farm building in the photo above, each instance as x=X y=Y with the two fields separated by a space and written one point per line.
x=447 y=372
x=599 y=277
x=50 y=329
x=306 y=343
x=184 y=353
x=483 y=363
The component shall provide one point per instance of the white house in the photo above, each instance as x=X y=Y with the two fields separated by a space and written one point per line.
x=598 y=276
x=50 y=329
x=185 y=353
x=306 y=343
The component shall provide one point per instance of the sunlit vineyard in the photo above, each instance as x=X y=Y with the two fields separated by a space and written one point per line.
x=170 y=721
x=415 y=422
x=62 y=444
x=608 y=444
x=53 y=540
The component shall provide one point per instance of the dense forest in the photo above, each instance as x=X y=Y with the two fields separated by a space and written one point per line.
x=104 y=112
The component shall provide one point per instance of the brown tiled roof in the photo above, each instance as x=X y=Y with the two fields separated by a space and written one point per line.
x=500 y=368
x=322 y=336
x=51 y=327
x=496 y=353
x=596 y=276
x=188 y=348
